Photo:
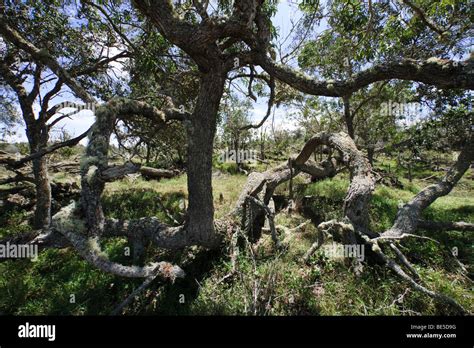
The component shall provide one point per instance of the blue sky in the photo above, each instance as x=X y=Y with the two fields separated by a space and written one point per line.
x=287 y=14
x=79 y=123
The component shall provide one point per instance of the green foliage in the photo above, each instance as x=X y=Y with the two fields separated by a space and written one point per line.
x=448 y=128
x=45 y=286
x=327 y=286
x=13 y=221
x=9 y=116
x=334 y=188
x=354 y=36
x=229 y=168
x=137 y=203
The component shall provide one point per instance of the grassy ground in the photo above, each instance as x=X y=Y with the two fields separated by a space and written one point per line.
x=268 y=282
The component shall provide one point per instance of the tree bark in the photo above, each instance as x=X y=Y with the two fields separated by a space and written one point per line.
x=95 y=161
x=201 y=130
x=348 y=117
x=433 y=71
x=445 y=226
x=38 y=138
x=43 y=193
x=370 y=154
x=148 y=154
x=359 y=194
x=157 y=173
x=263 y=185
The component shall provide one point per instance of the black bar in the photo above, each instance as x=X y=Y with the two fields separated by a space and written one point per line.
x=243 y=330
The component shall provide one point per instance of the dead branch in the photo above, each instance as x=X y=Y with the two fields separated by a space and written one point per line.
x=118 y=310
x=402 y=258
x=399 y=271
x=445 y=226
x=270 y=216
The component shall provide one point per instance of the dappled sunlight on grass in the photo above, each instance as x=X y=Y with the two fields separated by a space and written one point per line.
x=286 y=286
x=143 y=195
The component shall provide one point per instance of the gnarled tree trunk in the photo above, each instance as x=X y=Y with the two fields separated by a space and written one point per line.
x=201 y=130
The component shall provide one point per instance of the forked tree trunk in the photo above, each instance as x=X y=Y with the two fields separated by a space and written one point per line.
x=201 y=130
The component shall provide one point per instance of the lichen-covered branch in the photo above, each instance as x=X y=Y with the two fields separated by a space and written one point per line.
x=119 y=171
x=71 y=226
x=261 y=186
x=148 y=229
x=409 y=215
x=356 y=202
x=436 y=72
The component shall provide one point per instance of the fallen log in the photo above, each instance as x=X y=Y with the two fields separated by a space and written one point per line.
x=445 y=225
x=120 y=171
x=24 y=196
x=71 y=167
x=157 y=174
x=5 y=192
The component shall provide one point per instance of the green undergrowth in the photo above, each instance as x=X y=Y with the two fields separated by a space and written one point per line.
x=267 y=281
